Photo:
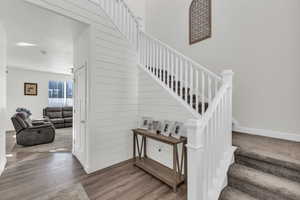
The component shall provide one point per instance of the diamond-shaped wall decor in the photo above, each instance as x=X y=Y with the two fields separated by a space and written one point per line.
x=200 y=20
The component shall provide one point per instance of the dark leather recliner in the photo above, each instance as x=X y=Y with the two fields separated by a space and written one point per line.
x=30 y=135
x=61 y=117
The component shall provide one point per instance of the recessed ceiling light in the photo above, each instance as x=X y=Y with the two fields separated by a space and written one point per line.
x=25 y=44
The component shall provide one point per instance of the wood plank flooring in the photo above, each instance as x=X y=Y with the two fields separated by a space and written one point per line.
x=32 y=175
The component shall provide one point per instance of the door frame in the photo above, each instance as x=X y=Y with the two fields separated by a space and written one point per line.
x=59 y=9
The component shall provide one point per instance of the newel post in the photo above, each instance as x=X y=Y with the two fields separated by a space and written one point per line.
x=227 y=76
x=195 y=156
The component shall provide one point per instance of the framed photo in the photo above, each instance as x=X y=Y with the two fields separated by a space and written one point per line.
x=177 y=130
x=146 y=123
x=30 y=89
x=166 y=128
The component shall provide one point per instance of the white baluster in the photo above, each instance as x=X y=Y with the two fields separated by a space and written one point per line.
x=209 y=91
x=176 y=73
x=197 y=90
x=159 y=61
x=203 y=95
x=180 y=64
x=216 y=87
x=191 y=84
x=168 y=66
x=114 y=11
x=186 y=80
x=172 y=70
x=163 y=62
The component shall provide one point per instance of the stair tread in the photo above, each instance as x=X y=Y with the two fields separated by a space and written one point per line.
x=269 y=182
x=270 y=158
x=230 y=193
x=276 y=151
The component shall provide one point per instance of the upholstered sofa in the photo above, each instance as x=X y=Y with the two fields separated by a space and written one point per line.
x=61 y=117
x=29 y=133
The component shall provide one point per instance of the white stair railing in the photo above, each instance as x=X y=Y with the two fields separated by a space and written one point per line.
x=210 y=95
x=210 y=146
x=122 y=17
x=196 y=85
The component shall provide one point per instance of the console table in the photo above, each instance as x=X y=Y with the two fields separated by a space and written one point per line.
x=172 y=177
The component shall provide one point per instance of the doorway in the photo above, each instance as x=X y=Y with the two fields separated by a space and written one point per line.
x=46 y=51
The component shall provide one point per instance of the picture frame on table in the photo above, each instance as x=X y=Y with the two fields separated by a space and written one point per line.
x=146 y=123
x=177 y=130
x=166 y=128
x=156 y=127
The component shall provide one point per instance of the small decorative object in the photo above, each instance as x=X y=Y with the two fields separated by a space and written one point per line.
x=24 y=110
x=200 y=20
x=30 y=89
x=146 y=123
x=166 y=128
x=156 y=126
x=177 y=130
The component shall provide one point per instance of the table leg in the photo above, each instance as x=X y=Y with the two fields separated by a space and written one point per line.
x=145 y=147
x=134 y=147
x=185 y=162
x=174 y=167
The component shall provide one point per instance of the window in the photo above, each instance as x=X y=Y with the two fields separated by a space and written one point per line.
x=60 y=93
x=69 y=90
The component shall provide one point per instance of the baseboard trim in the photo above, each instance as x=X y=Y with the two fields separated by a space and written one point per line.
x=90 y=170
x=2 y=165
x=268 y=133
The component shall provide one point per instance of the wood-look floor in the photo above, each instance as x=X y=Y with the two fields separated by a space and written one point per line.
x=32 y=175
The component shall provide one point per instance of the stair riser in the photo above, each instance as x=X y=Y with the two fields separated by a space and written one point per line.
x=255 y=191
x=267 y=167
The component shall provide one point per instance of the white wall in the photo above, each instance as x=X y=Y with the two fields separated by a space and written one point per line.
x=15 y=90
x=2 y=96
x=259 y=40
x=112 y=89
x=155 y=102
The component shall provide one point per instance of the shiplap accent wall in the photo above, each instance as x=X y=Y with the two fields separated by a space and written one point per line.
x=155 y=102
x=112 y=84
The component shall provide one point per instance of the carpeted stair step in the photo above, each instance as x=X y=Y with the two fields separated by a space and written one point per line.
x=230 y=193
x=262 y=185
x=276 y=165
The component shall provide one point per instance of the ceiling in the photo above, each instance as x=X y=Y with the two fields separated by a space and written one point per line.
x=52 y=33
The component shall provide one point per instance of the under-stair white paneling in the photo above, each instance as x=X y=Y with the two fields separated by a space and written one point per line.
x=157 y=103
x=112 y=84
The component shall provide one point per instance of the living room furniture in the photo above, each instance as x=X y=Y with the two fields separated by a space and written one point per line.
x=172 y=177
x=28 y=134
x=61 y=117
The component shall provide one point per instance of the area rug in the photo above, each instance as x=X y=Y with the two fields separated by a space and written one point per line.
x=75 y=192
x=62 y=143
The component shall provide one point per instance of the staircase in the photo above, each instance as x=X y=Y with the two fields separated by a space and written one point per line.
x=265 y=169
x=206 y=95
x=193 y=84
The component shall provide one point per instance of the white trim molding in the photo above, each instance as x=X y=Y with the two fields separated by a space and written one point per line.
x=2 y=165
x=268 y=133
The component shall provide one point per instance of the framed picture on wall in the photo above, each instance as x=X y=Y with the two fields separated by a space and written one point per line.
x=30 y=89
